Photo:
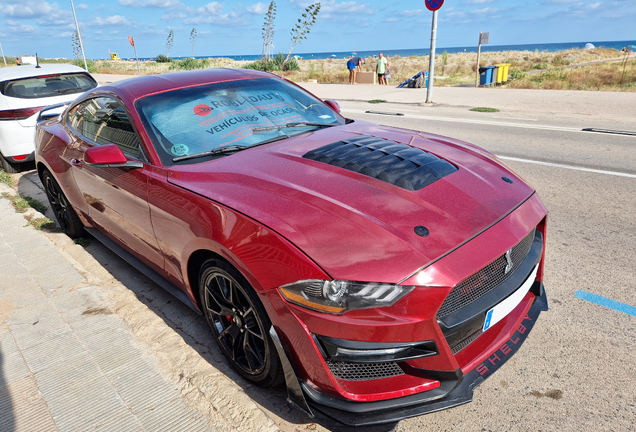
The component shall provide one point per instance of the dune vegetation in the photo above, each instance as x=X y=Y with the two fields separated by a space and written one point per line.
x=575 y=69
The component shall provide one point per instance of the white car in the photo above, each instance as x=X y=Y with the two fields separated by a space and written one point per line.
x=24 y=91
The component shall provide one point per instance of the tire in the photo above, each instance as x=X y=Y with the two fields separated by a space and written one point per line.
x=239 y=323
x=10 y=167
x=64 y=212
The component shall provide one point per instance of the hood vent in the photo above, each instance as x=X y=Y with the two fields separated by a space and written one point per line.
x=401 y=165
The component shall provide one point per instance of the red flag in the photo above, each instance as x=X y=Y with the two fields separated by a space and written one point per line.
x=131 y=40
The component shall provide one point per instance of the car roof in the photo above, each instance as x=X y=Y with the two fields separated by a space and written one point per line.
x=26 y=71
x=143 y=86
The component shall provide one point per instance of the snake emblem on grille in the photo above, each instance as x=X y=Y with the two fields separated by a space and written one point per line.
x=508 y=261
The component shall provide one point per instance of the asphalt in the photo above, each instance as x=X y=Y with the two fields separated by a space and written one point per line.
x=70 y=360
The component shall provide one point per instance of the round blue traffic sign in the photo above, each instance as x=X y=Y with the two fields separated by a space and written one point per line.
x=433 y=5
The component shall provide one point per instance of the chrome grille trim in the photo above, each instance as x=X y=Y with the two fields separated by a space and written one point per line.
x=483 y=281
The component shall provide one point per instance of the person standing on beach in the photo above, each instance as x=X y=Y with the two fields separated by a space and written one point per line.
x=354 y=64
x=380 y=68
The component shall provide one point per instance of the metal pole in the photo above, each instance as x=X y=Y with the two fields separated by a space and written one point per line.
x=478 y=55
x=138 y=70
x=79 y=36
x=5 y=60
x=431 y=64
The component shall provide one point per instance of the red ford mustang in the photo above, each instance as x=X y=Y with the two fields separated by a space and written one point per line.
x=381 y=273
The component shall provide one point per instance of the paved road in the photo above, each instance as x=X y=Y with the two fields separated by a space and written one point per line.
x=575 y=372
x=579 y=353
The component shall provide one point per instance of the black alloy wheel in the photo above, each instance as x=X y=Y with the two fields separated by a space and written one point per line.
x=64 y=212
x=239 y=323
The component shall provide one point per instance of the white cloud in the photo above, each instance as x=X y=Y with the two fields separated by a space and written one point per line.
x=212 y=13
x=410 y=13
x=331 y=8
x=559 y=2
x=169 y=16
x=160 y=4
x=29 y=9
x=478 y=2
x=15 y=27
x=81 y=6
x=257 y=9
x=56 y=18
x=214 y=8
x=334 y=10
x=111 y=21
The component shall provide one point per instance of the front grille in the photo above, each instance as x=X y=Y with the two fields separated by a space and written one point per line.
x=486 y=279
x=363 y=371
x=463 y=344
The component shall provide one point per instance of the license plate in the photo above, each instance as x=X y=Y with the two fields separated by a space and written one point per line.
x=500 y=311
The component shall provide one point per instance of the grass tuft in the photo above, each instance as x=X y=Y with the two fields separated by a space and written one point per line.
x=484 y=109
x=377 y=101
x=6 y=178
x=43 y=223
x=83 y=242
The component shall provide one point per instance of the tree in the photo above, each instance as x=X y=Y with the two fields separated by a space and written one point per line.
x=193 y=36
x=268 y=30
x=169 y=42
x=300 y=31
x=75 y=42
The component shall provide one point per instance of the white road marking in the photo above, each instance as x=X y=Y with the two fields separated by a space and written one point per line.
x=515 y=118
x=483 y=122
x=614 y=173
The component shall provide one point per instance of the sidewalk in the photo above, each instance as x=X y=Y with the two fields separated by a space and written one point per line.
x=66 y=362
x=74 y=355
x=618 y=107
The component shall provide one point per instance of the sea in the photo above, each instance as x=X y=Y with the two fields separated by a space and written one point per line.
x=549 y=47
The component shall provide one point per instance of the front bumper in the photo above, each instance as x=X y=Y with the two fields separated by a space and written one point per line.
x=456 y=388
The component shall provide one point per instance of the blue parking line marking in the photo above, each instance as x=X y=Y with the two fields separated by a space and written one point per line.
x=605 y=302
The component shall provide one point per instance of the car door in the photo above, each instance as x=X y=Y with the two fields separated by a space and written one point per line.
x=116 y=198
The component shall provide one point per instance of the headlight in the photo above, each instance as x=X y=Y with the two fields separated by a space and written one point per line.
x=337 y=297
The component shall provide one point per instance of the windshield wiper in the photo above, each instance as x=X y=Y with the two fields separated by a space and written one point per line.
x=218 y=150
x=68 y=90
x=293 y=124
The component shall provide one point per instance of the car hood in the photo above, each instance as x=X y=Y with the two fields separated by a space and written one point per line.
x=354 y=226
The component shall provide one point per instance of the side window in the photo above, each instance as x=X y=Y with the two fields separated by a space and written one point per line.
x=103 y=120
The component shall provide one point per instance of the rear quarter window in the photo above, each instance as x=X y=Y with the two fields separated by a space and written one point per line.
x=48 y=86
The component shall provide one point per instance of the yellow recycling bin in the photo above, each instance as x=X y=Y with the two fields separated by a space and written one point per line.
x=502 y=73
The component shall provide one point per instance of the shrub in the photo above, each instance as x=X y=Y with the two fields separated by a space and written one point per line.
x=92 y=67
x=163 y=59
x=190 y=64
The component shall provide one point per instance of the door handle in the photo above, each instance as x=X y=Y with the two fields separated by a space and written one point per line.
x=76 y=162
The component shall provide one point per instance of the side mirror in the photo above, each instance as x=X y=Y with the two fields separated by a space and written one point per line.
x=333 y=105
x=108 y=156
x=52 y=111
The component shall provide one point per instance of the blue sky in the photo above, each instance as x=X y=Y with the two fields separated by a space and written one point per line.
x=234 y=27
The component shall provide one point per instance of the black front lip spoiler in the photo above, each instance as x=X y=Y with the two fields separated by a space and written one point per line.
x=369 y=413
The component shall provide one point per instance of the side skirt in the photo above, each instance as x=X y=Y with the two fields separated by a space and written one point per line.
x=143 y=268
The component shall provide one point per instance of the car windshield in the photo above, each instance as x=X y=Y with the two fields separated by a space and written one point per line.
x=49 y=86
x=188 y=125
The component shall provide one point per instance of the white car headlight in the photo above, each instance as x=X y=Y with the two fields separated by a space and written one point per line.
x=338 y=296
